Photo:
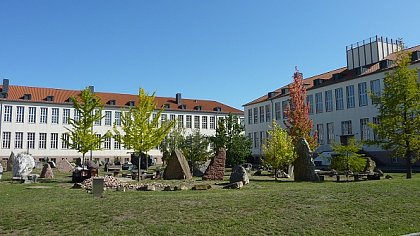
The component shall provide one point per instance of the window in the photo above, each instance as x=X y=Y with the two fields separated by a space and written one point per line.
x=54 y=115
x=181 y=121
x=117 y=118
x=267 y=113
x=256 y=140
x=262 y=140
x=188 y=122
x=32 y=115
x=117 y=142
x=20 y=114
x=339 y=102
x=154 y=115
x=364 y=129
x=320 y=130
x=107 y=143
x=163 y=118
x=18 y=140
x=250 y=137
x=212 y=124
x=330 y=133
x=363 y=99
x=54 y=140
x=262 y=114
x=277 y=109
x=204 y=122
x=172 y=117
x=31 y=141
x=350 y=96
x=66 y=116
x=108 y=118
x=318 y=103
x=98 y=121
x=310 y=103
x=44 y=115
x=7 y=114
x=375 y=120
x=249 y=116
x=346 y=128
x=6 y=140
x=375 y=88
x=98 y=137
x=328 y=101
x=42 y=140
x=196 y=122
x=255 y=115
x=76 y=115
x=284 y=105
x=65 y=140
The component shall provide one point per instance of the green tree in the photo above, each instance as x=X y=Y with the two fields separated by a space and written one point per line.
x=230 y=135
x=172 y=141
x=346 y=157
x=399 y=112
x=279 y=150
x=142 y=130
x=81 y=137
x=195 y=149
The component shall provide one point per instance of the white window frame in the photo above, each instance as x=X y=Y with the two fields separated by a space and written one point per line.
x=20 y=114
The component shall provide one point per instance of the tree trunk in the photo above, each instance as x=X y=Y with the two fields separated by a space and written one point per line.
x=409 y=169
x=83 y=161
x=138 y=169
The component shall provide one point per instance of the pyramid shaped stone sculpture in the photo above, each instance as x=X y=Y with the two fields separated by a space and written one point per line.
x=64 y=166
x=177 y=167
x=10 y=161
x=304 y=169
x=47 y=172
x=216 y=169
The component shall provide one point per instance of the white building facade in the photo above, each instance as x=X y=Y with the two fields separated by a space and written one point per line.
x=34 y=120
x=339 y=100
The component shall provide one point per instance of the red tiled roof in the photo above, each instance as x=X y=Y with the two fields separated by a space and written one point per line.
x=345 y=74
x=61 y=96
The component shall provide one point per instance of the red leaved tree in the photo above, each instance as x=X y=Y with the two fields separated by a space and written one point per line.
x=298 y=124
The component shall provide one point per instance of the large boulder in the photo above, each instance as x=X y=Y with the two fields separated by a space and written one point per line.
x=216 y=168
x=64 y=166
x=23 y=165
x=239 y=174
x=370 y=165
x=10 y=162
x=47 y=172
x=304 y=167
x=177 y=167
x=200 y=169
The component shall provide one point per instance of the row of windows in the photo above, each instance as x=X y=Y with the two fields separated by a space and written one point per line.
x=259 y=138
x=317 y=105
x=200 y=122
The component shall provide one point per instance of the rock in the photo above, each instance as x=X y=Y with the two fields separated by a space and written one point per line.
x=201 y=187
x=77 y=185
x=181 y=188
x=10 y=162
x=1 y=170
x=258 y=173
x=239 y=174
x=47 y=172
x=282 y=174
x=374 y=176
x=23 y=165
x=235 y=185
x=167 y=188
x=216 y=168
x=199 y=170
x=177 y=167
x=388 y=177
x=370 y=165
x=109 y=182
x=304 y=167
x=64 y=166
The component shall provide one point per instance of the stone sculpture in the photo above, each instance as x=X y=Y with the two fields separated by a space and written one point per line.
x=10 y=162
x=177 y=167
x=239 y=174
x=64 y=166
x=47 y=172
x=23 y=165
x=304 y=168
x=216 y=168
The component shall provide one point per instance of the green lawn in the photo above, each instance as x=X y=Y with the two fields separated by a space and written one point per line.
x=264 y=207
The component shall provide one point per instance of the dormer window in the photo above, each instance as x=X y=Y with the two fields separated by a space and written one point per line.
x=217 y=109
x=166 y=105
x=27 y=96
x=112 y=102
x=130 y=103
x=50 y=98
x=198 y=108
x=182 y=106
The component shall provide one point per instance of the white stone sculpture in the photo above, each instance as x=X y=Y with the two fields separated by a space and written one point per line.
x=23 y=165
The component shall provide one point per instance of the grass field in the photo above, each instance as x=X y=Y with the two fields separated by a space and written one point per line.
x=264 y=207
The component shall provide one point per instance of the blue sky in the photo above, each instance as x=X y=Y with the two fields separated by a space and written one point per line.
x=231 y=51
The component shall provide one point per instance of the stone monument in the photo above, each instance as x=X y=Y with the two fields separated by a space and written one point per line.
x=216 y=169
x=64 y=166
x=177 y=167
x=239 y=174
x=23 y=165
x=47 y=172
x=304 y=167
x=10 y=162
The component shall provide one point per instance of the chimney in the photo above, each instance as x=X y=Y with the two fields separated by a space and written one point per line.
x=178 y=99
x=5 y=86
x=91 y=88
